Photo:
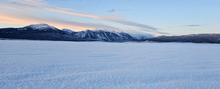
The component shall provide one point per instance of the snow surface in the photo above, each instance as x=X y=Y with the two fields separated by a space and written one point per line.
x=100 y=65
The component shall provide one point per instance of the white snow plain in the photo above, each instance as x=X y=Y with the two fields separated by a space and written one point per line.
x=102 y=65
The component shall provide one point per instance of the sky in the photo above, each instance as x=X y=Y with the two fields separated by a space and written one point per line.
x=155 y=16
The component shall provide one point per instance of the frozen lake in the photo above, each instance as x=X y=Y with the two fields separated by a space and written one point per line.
x=102 y=65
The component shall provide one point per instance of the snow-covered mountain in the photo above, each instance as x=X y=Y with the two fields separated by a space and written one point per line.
x=42 y=27
x=102 y=35
x=47 y=32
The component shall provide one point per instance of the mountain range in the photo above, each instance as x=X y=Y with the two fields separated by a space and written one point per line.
x=47 y=32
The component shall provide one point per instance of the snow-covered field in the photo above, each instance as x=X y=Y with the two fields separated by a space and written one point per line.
x=102 y=65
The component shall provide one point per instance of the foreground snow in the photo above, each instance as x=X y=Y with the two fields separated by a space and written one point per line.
x=99 y=65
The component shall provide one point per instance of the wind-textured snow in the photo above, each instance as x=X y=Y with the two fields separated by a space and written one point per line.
x=100 y=65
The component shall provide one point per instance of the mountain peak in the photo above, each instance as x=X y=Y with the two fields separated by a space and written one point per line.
x=68 y=31
x=41 y=27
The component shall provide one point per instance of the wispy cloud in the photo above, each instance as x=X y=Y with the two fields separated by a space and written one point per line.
x=111 y=11
x=22 y=14
x=38 y=4
x=193 y=25
x=130 y=23
x=8 y=19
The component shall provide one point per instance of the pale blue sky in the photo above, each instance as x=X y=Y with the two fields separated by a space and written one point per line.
x=170 y=16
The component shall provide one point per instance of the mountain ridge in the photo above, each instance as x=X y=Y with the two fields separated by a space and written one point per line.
x=47 y=32
x=193 y=38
